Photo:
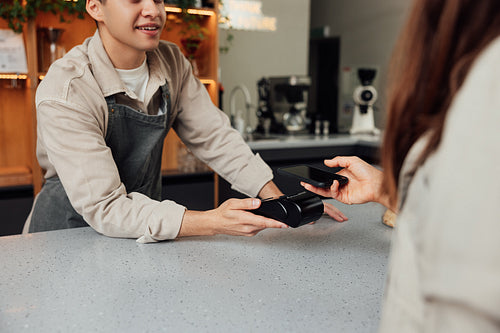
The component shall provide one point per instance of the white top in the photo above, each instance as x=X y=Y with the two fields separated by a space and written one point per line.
x=444 y=272
x=136 y=79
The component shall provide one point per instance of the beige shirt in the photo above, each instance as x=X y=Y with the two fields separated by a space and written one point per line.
x=72 y=120
x=444 y=273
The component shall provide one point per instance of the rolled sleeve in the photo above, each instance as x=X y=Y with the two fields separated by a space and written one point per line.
x=158 y=230
x=253 y=177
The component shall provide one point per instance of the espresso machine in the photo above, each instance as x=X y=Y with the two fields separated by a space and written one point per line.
x=282 y=106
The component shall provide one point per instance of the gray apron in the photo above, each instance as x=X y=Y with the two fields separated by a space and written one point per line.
x=136 y=141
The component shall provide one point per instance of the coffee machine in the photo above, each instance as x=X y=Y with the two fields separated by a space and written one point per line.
x=282 y=107
x=364 y=97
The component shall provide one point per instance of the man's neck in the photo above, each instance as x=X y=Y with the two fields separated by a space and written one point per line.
x=122 y=57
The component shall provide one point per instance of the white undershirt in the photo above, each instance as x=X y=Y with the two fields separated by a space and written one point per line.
x=136 y=79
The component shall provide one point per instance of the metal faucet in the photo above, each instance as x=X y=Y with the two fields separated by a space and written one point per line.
x=248 y=104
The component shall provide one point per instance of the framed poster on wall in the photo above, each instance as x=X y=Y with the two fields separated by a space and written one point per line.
x=12 y=52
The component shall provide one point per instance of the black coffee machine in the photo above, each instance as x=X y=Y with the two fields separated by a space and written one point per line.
x=282 y=106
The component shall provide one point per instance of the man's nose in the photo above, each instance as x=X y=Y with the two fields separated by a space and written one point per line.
x=151 y=8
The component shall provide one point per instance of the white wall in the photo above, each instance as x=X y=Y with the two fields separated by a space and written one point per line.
x=368 y=31
x=255 y=54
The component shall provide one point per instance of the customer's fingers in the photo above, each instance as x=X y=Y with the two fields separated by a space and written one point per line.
x=334 y=212
x=318 y=190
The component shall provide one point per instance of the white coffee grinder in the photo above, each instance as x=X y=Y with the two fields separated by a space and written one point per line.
x=364 y=96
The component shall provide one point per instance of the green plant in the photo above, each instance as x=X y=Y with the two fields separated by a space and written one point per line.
x=224 y=49
x=190 y=27
x=16 y=13
x=225 y=20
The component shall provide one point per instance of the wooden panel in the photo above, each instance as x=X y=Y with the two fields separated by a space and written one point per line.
x=15 y=176
x=3 y=24
x=170 y=147
x=32 y=83
x=16 y=153
x=207 y=61
x=14 y=131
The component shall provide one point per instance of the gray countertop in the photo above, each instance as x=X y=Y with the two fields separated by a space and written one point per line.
x=306 y=141
x=326 y=277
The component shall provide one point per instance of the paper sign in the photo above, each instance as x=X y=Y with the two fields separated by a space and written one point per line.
x=12 y=52
x=247 y=15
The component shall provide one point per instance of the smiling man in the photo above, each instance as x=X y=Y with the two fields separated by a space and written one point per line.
x=103 y=112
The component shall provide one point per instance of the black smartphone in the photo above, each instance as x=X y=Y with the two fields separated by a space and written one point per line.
x=312 y=175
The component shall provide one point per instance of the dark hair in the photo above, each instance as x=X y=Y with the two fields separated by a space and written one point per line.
x=435 y=51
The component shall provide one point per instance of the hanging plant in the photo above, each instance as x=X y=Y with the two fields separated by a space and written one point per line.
x=191 y=29
x=16 y=14
x=225 y=20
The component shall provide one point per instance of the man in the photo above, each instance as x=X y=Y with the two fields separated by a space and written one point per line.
x=103 y=112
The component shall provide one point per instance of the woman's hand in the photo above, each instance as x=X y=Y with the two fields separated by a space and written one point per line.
x=334 y=212
x=233 y=217
x=364 y=182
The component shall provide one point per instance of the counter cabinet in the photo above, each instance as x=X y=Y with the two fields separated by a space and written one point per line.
x=194 y=190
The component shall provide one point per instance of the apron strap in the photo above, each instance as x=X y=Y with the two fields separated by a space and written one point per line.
x=110 y=100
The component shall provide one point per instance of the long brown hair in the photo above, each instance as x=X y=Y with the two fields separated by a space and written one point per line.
x=435 y=51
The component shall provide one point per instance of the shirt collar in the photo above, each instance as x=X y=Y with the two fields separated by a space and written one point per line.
x=106 y=76
x=104 y=72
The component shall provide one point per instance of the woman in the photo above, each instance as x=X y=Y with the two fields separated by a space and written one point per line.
x=440 y=157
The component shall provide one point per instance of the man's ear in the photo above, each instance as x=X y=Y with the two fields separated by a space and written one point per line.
x=94 y=9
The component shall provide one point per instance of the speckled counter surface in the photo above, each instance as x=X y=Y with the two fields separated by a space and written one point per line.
x=327 y=277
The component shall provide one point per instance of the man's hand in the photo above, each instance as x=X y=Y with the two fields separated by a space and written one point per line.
x=233 y=217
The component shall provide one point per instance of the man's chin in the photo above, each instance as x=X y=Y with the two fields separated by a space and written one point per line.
x=151 y=47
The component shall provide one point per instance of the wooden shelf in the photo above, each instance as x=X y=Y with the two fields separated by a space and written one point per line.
x=8 y=76
x=193 y=11
x=207 y=81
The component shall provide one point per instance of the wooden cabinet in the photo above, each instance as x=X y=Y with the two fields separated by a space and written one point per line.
x=207 y=58
x=18 y=165
x=17 y=124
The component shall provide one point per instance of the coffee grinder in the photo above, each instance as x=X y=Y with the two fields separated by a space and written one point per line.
x=364 y=96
